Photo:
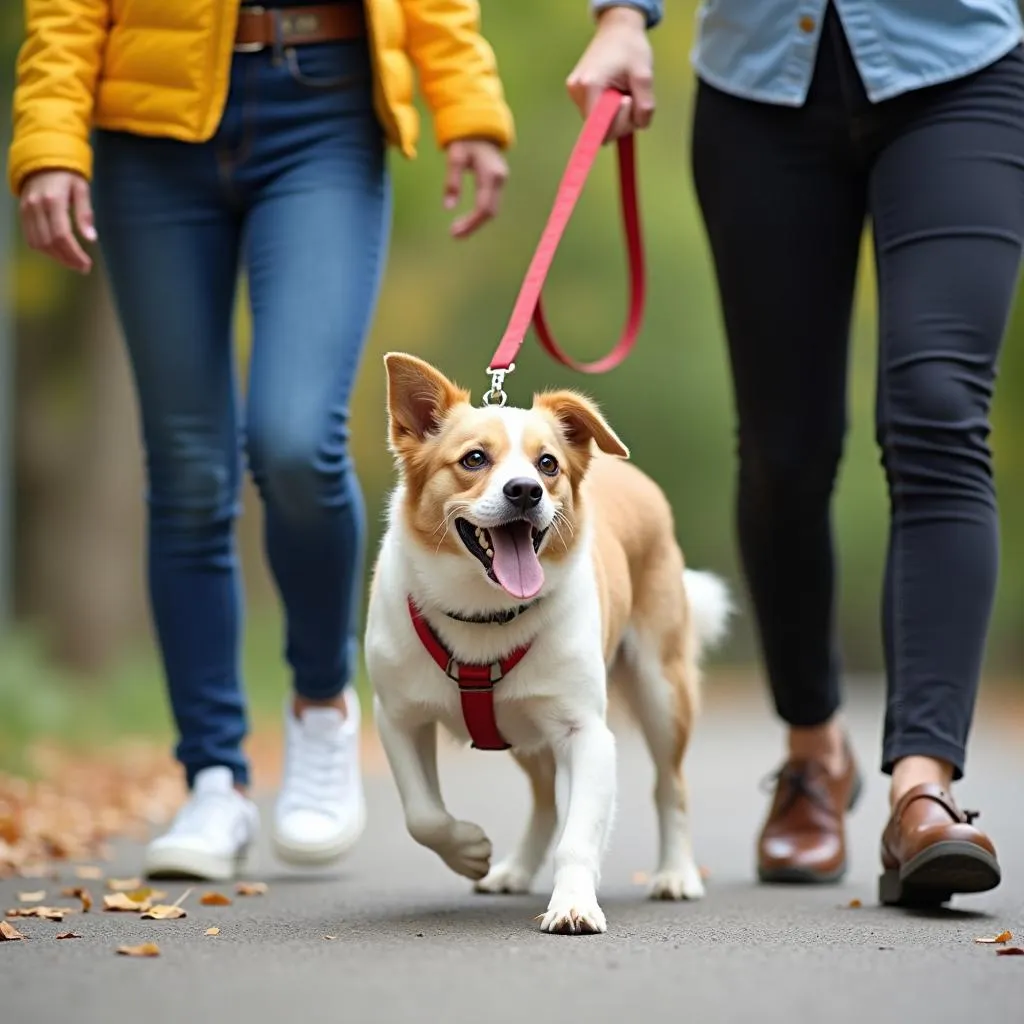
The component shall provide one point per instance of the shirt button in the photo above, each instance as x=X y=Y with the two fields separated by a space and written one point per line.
x=807 y=24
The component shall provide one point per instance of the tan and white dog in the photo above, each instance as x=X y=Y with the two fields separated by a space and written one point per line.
x=514 y=547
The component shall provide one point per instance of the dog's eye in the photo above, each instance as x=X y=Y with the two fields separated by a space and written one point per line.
x=475 y=459
x=548 y=465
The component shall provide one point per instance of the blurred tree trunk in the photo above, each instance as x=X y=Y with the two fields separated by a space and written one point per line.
x=80 y=485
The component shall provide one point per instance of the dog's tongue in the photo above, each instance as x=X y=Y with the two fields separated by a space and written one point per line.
x=515 y=563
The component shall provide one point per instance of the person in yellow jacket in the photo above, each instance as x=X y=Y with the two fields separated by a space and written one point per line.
x=209 y=135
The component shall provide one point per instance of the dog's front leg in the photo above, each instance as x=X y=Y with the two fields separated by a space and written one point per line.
x=586 y=757
x=412 y=755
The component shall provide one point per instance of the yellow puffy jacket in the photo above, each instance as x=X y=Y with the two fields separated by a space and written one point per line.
x=161 y=68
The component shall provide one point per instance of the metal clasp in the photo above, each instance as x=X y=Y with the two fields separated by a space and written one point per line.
x=251 y=47
x=496 y=396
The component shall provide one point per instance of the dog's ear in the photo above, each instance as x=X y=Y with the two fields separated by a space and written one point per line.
x=419 y=397
x=581 y=422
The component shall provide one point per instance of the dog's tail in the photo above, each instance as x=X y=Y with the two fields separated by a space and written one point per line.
x=711 y=606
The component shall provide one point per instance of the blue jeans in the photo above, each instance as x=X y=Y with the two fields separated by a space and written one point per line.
x=294 y=185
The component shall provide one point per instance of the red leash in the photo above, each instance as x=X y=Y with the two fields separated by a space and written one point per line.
x=528 y=308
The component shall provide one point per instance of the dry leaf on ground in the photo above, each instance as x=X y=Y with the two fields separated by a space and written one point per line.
x=80 y=894
x=124 y=884
x=1010 y=951
x=69 y=935
x=32 y=897
x=146 y=949
x=330 y=938
x=215 y=899
x=163 y=912
x=123 y=901
x=46 y=913
x=251 y=888
x=995 y=939
x=212 y=931
x=73 y=806
x=8 y=933
x=854 y=904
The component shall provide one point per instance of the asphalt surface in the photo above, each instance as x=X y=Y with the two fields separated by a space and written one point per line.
x=411 y=943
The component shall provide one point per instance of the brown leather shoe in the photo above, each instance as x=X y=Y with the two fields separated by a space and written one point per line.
x=803 y=839
x=931 y=850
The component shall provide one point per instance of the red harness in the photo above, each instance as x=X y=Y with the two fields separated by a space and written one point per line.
x=476 y=683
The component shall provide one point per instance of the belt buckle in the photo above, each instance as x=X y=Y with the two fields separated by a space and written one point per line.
x=251 y=47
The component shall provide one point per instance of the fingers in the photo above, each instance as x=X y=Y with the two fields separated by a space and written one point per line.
x=487 y=200
x=82 y=202
x=46 y=220
x=64 y=245
x=458 y=161
x=577 y=87
x=641 y=88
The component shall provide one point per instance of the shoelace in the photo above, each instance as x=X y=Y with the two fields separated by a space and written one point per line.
x=795 y=782
x=314 y=770
x=204 y=810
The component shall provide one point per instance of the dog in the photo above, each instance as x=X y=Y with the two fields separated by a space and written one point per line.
x=526 y=565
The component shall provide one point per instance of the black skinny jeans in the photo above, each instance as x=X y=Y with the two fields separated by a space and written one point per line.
x=784 y=194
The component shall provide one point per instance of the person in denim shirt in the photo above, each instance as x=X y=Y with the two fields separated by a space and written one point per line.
x=810 y=118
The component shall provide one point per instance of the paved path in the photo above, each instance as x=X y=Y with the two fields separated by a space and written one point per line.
x=413 y=945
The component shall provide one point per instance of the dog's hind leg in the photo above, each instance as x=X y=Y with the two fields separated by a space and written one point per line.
x=662 y=694
x=515 y=873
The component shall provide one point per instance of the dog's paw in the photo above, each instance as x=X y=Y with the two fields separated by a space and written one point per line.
x=508 y=877
x=466 y=850
x=684 y=884
x=573 y=914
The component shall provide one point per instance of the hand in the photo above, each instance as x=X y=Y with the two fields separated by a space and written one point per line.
x=619 y=56
x=484 y=160
x=48 y=201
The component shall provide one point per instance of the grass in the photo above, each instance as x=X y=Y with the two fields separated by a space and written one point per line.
x=40 y=702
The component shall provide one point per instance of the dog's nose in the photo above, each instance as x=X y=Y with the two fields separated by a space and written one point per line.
x=524 y=493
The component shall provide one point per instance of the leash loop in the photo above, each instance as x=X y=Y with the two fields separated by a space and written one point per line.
x=528 y=309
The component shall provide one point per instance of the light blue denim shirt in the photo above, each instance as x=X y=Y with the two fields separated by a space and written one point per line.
x=765 y=49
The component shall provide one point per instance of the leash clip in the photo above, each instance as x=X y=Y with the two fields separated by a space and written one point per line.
x=496 y=396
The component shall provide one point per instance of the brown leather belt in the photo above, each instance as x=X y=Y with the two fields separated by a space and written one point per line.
x=260 y=27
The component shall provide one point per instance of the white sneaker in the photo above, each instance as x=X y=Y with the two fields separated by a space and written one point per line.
x=211 y=835
x=321 y=810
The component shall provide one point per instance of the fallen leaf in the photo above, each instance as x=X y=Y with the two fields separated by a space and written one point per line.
x=146 y=949
x=163 y=912
x=854 y=904
x=123 y=884
x=89 y=871
x=215 y=899
x=641 y=878
x=69 y=935
x=80 y=894
x=251 y=888
x=212 y=931
x=32 y=897
x=123 y=901
x=8 y=933
x=1010 y=951
x=330 y=938
x=995 y=939
x=46 y=913
x=140 y=895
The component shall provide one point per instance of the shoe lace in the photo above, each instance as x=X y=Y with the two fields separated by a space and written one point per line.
x=316 y=769
x=203 y=811
x=795 y=781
